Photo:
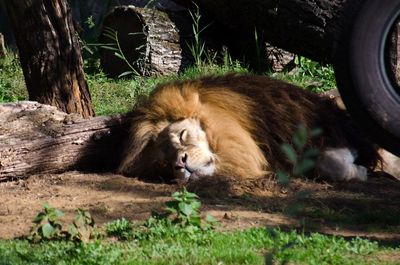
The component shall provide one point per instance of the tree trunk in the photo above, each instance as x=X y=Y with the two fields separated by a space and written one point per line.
x=50 y=54
x=153 y=41
x=306 y=27
x=36 y=138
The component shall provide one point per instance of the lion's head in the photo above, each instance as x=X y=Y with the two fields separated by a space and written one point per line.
x=185 y=132
x=183 y=147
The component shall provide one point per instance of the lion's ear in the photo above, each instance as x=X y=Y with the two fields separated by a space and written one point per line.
x=141 y=133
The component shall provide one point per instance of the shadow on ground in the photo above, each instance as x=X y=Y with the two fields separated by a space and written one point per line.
x=370 y=209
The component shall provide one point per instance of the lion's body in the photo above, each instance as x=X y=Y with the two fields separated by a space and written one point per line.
x=245 y=118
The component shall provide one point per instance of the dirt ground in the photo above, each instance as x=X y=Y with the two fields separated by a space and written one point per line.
x=370 y=209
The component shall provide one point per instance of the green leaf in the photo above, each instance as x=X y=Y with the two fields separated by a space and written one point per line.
x=125 y=74
x=177 y=195
x=289 y=152
x=195 y=220
x=172 y=210
x=39 y=217
x=316 y=132
x=58 y=213
x=185 y=208
x=136 y=33
x=140 y=47
x=110 y=33
x=47 y=230
x=283 y=178
x=303 y=167
x=172 y=204
x=311 y=153
x=195 y=205
x=190 y=195
x=117 y=54
x=300 y=137
x=109 y=47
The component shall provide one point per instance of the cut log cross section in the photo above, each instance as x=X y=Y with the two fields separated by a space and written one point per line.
x=150 y=39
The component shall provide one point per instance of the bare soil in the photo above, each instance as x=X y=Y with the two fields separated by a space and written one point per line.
x=369 y=209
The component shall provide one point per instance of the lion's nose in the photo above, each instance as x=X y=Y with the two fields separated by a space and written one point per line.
x=184 y=158
x=181 y=163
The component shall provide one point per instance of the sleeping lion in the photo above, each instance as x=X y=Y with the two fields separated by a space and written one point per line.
x=234 y=125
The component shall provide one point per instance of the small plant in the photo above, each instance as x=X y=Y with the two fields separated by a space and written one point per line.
x=185 y=211
x=120 y=228
x=197 y=47
x=186 y=208
x=311 y=70
x=302 y=160
x=83 y=227
x=89 y=22
x=47 y=225
x=115 y=46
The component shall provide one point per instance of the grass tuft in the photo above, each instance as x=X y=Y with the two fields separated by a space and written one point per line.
x=310 y=75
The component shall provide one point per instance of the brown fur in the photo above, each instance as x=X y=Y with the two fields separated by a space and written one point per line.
x=246 y=119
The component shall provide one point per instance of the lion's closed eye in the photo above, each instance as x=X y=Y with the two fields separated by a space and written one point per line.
x=183 y=136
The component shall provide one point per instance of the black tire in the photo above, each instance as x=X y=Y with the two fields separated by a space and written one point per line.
x=370 y=96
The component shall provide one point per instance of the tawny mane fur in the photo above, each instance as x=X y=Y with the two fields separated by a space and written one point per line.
x=246 y=118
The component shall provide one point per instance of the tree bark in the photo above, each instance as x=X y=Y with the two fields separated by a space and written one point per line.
x=304 y=27
x=36 y=138
x=153 y=41
x=50 y=54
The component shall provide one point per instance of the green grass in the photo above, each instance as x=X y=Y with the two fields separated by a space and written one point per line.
x=111 y=96
x=310 y=75
x=173 y=245
x=12 y=83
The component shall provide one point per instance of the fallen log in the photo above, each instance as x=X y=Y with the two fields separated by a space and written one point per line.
x=153 y=41
x=309 y=28
x=37 y=138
